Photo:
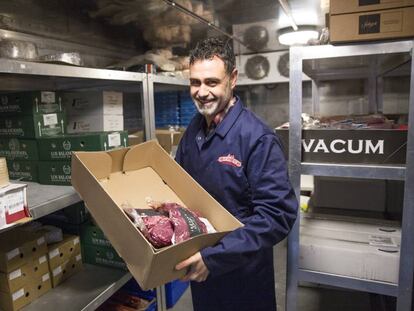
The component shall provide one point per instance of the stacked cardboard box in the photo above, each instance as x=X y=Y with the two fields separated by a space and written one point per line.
x=97 y=250
x=94 y=111
x=24 y=271
x=367 y=20
x=13 y=204
x=25 y=117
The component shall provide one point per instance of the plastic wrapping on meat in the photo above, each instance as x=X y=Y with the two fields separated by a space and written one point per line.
x=187 y=223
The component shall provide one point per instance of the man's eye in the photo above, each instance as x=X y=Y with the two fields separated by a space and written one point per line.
x=211 y=83
x=194 y=83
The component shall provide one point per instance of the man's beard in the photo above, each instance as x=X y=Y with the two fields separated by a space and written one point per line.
x=209 y=111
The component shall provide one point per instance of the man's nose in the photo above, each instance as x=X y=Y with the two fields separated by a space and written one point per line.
x=203 y=91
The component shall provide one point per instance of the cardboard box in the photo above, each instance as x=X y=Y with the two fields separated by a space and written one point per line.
x=373 y=25
x=103 y=256
x=93 y=235
x=76 y=213
x=29 y=103
x=14 y=280
x=13 y=199
x=17 y=247
x=93 y=103
x=4 y=173
x=105 y=180
x=16 y=300
x=63 y=251
x=95 y=123
x=23 y=170
x=351 y=249
x=136 y=138
x=40 y=285
x=19 y=149
x=60 y=148
x=54 y=172
x=355 y=6
x=350 y=146
x=168 y=139
x=66 y=269
x=36 y=126
x=38 y=266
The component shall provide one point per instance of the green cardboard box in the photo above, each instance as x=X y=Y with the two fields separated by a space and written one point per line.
x=60 y=148
x=19 y=149
x=103 y=256
x=76 y=213
x=93 y=235
x=35 y=126
x=54 y=172
x=29 y=103
x=23 y=170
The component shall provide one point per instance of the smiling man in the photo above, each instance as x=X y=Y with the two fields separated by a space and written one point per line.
x=233 y=155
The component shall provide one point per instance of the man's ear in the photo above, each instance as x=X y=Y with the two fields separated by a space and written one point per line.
x=233 y=78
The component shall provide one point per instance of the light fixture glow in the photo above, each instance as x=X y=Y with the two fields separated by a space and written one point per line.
x=288 y=36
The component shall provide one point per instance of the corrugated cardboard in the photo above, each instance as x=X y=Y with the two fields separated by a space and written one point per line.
x=66 y=269
x=60 y=148
x=40 y=285
x=102 y=255
x=19 y=149
x=36 y=126
x=93 y=103
x=38 y=266
x=23 y=170
x=95 y=123
x=63 y=251
x=136 y=138
x=14 y=200
x=16 y=300
x=37 y=102
x=169 y=140
x=375 y=25
x=105 y=180
x=17 y=247
x=14 y=280
x=54 y=172
x=4 y=173
x=354 y=6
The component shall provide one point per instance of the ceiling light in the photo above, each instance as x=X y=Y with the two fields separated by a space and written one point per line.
x=287 y=36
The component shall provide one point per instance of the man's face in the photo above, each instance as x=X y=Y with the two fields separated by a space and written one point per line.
x=210 y=86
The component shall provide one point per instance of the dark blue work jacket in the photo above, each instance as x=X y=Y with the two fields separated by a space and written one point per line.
x=242 y=166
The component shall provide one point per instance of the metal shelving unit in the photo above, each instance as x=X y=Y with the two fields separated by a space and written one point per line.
x=83 y=291
x=371 y=62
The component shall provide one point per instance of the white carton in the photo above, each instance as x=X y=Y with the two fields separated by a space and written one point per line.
x=95 y=123
x=93 y=103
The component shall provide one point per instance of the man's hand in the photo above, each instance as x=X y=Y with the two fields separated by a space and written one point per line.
x=196 y=269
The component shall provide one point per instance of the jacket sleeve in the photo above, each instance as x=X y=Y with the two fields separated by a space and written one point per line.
x=274 y=210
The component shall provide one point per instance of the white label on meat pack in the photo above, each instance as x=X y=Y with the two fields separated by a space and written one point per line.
x=18 y=294
x=114 y=140
x=48 y=97
x=57 y=271
x=42 y=259
x=14 y=202
x=380 y=240
x=50 y=119
x=41 y=241
x=13 y=253
x=78 y=257
x=76 y=241
x=54 y=253
x=15 y=274
x=45 y=277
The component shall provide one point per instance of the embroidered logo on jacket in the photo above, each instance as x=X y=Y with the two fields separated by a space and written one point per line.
x=229 y=160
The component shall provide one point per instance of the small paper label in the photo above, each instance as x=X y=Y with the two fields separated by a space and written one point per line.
x=50 y=119
x=79 y=257
x=15 y=274
x=45 y=277
x=76 y=241
x=114 y=140
x=54 y=253
x=57 y=271
x=41 y=241
x=10 y=255
x=48 y=97
x=42 y=259
x=18 y=294
x=380 y=240
x=14 y=202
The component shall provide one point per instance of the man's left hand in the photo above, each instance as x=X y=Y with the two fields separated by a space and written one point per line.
x=196 y=268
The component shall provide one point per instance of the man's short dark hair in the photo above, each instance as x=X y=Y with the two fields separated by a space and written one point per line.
x=210 y=47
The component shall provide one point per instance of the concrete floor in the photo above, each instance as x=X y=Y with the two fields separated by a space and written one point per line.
x=310 y=298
